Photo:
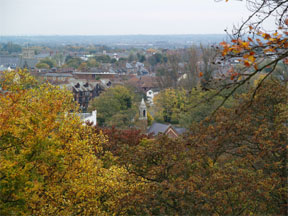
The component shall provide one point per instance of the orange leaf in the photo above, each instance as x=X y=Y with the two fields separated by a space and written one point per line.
x=246 y=63
x=250 y=39
x=279 y=36
x=266 y=36
x=223 y=43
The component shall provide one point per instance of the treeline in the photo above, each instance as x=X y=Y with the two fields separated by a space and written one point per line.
x=10 y=48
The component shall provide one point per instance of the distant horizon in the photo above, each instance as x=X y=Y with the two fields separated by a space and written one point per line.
x=45 y=35
x=157 y=40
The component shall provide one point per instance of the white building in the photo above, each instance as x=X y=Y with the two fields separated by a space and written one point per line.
x=150 y=96
x=89 y=117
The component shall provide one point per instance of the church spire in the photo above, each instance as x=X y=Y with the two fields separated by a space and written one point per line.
x=142 y=110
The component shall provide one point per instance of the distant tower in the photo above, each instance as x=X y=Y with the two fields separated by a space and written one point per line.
x=142 y=111
x=142 y=122
x=27 y=53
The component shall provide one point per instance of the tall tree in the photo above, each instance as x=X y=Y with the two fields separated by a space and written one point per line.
x=11 y=48
x=51 y=62
x=48 y=164
x=114 y=107
x=250 y=142
x=232 y=164
x=207 y=67
x=168 y=71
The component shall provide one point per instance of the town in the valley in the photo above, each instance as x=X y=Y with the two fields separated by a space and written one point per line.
x=153 y=108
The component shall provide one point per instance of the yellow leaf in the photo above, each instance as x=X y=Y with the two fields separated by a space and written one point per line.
x=251 y=58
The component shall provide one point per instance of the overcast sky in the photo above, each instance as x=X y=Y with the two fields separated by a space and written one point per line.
x=118 y=17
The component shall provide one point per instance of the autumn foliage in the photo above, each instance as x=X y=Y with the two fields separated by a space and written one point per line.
x=48 y=163
x=234 y=163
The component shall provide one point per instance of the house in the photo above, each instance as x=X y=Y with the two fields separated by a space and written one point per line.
x=169 y=130
x=148 y=82
x=2 y=68
x=115 y=56
x=17 y=61
x=136 y=68
x=28 y=53
x=150 y=96
x=105 y=83
x=129 y=68
x=83 y=92
x=89 y=117
x=66 y=70
x=10 y=61
x=134 y=82
x=144 y=83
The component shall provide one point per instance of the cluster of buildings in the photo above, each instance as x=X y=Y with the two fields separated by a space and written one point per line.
x=85 y=84
x=155 y=129
x=91 y=82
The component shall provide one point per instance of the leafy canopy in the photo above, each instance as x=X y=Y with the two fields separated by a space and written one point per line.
x=48 y=164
